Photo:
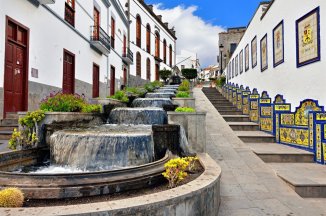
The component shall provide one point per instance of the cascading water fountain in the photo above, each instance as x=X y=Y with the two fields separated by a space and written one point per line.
x=122 y=155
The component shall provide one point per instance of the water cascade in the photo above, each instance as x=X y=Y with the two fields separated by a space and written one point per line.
x=105 y=147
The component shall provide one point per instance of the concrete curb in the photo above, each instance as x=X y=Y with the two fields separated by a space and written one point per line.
x=199 y=197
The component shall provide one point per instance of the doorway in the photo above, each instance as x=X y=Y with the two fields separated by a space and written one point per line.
x=68 y=84
x=96 y=81
x=16 y=67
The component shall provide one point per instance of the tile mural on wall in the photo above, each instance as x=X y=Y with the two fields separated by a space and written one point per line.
x=278 y=44
x=308 y=38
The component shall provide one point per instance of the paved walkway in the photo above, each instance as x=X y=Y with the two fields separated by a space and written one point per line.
x=248 y=185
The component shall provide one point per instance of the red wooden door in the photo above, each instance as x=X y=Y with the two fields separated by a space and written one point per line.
x=96 y=81
x=68 y=84
x=157 y=68
x=112 y=81
x=124 y=45
x=16 y=64
x=125 y=76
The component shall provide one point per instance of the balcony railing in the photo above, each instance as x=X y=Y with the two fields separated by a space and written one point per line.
x=100 y=39
x=128 y=55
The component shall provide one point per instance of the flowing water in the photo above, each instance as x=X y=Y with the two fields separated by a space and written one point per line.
x=160 y=95
x=103 y=147
x=136 y=116
x=151 y=102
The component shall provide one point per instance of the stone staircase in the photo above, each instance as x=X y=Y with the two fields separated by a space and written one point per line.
x=7 y=125
x=294 y=166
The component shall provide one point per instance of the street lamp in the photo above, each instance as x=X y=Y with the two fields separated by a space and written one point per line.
x=221 y=56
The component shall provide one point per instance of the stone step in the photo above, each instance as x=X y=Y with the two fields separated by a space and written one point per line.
x=236 y=118
x=244 y=126
x=9 y=122
x=12 y=115
x=306 y=179
x=5 y=135
x=278 y=153
x=224 y=106
x=8 y=128
x=229 y=112
x=255 y=137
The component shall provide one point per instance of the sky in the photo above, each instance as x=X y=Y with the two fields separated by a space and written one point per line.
x=198 y=22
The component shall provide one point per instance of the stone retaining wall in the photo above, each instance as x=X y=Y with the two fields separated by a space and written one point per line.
x=199 y=197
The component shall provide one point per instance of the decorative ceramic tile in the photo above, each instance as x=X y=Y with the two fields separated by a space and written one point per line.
x=278 y=44
x=308 y=38
x=263 y=53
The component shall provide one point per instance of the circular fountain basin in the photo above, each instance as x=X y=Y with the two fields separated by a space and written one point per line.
x=136 y=116
x=160 y=95
x=152 y=102
x=73 y=185
x=104 y=147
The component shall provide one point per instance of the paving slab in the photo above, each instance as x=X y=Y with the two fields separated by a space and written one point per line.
x=308 y=180
x=245 y=175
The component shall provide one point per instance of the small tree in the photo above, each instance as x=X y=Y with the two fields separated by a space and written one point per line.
x=189 y=73
x=164 y=74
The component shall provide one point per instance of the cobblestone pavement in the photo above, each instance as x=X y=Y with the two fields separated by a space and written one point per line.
x=248 y=185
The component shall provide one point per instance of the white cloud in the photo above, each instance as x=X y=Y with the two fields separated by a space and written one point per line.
x=194 y=34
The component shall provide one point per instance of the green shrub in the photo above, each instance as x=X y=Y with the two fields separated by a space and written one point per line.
x=11 y=198
x=184 y=86
x=185 y=109
x=189 y=73
x=221 y=81
x=136 y=91
x=121 y=96
x=164 y=74
x=27 y=137
x=62 y=103
x=157 y=84
x=175 y=171
x=182 y=94
x=91 y=108
x=149 y=87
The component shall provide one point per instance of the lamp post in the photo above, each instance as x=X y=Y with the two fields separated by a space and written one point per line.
x=221 y=56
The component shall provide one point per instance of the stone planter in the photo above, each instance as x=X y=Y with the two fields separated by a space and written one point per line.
x=195 y=128
x=184 y=102
x=55 y=121
x=198 y=197
x=107 y=101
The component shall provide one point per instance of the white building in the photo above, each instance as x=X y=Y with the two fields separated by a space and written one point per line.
x=187 y=59
x=209 y=72
x=291 y=35
x=152 y=42
x=74 y=46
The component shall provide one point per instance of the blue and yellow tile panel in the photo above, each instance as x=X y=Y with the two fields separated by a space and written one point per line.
x=305 y=128
x=266 y=113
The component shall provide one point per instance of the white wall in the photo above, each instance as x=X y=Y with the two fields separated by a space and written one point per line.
x=49 y=36
x=146 y=17
x=121 y=29
x=296 y=84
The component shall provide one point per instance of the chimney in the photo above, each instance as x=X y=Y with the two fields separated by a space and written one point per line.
x=159 y=17
x=166 y=24
x=150 y=7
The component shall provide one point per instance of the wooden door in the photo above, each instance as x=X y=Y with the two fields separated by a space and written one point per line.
x=16 y=67
x=125 y=76
x=124 y=45
x=112 y=81
x=68 y=84
x=96 y=81
x=96 y=17
x=157 y=68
